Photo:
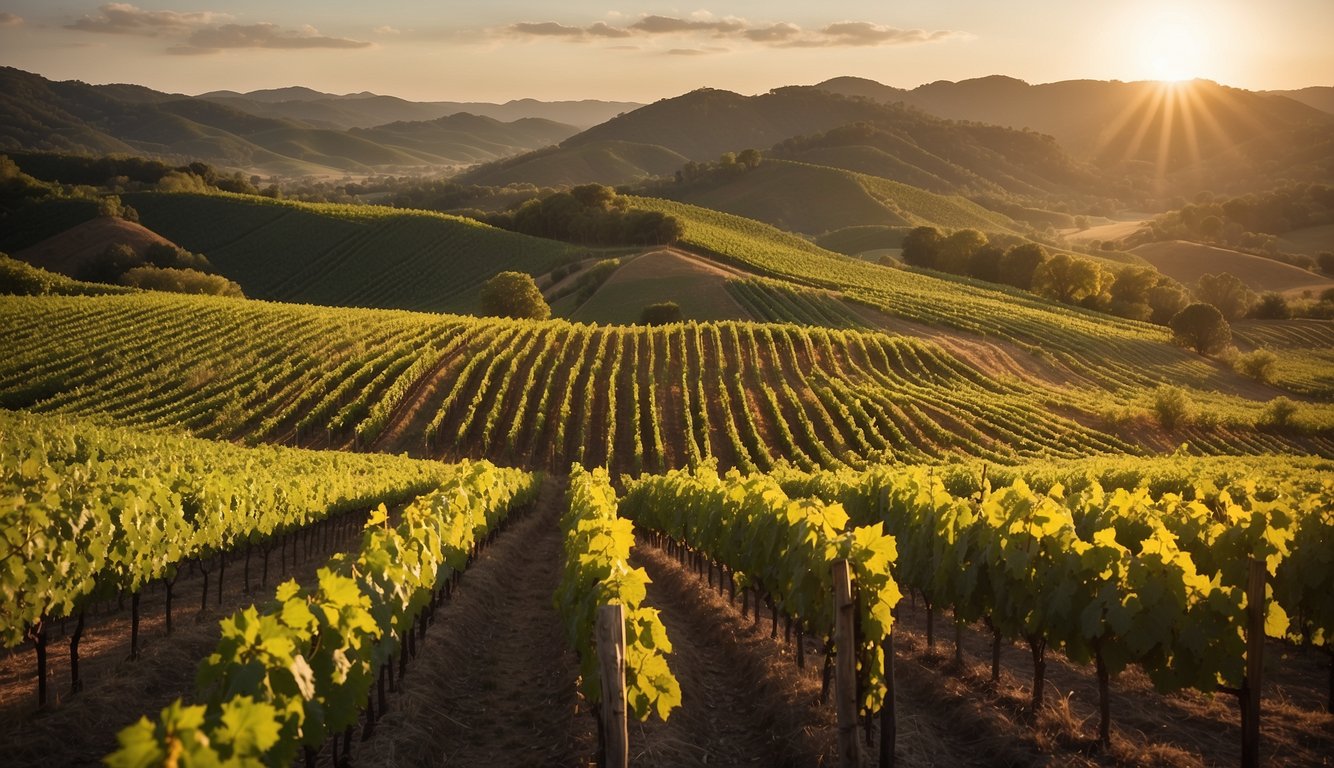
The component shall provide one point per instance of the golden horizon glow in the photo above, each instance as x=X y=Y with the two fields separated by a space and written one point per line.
x=1174 y=47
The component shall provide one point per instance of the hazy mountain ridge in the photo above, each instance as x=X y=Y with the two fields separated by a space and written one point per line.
x=1187 y=136
x=367 y=110
x=72 y=116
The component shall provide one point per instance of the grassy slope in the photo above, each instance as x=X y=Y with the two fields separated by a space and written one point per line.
x=1186 y=262
x=345 y=255
x=603 y=162
x=699 y=288
x=816 y=199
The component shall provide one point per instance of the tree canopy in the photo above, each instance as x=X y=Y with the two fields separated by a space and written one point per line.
x=514 y=294
x=1201 y=327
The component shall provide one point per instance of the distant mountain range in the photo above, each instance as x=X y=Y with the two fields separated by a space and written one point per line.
x=1198 y=134
x=366 y=110
x=71 y=116
x=811 y=125
x=995 y=137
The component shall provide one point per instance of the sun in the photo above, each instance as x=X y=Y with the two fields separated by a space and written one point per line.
x=1172 y=47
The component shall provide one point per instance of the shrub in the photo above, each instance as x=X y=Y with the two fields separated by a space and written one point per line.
x=175 y=280
x=1260 y=365
x=661 y=313
x=1278 y=415
x=1171 y=406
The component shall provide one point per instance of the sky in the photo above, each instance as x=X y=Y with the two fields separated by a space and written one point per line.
x=506 y=49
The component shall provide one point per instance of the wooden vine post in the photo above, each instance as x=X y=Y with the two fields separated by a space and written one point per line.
x=845 y=667
x=611 y=667
x=1255 y=643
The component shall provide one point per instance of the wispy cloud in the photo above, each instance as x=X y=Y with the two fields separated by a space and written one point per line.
x=705 y=26
x=10 y=20
x=126 y=19
x=228 y=36
x=204 y=32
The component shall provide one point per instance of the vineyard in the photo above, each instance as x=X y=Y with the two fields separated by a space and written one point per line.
x=779 y=521
x=1164 y=576
x=746 y=395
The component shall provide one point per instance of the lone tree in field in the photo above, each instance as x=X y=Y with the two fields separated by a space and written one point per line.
x=661 y=313
x=1201 y=327
x=514 y=294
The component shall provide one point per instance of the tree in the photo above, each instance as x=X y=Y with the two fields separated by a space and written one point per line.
x=110 y=264
x=1019 y=264
x=1130 y=291
x=1227 y=293
x=1325 y=260
x=749 y=157
x=986 y=263
x=661 y=313
x=1166 y=299
x=513 y=294
x=1068 y=280
x=1272 y=306
x=1202 y=328
x=920 y=247
x=956 y=251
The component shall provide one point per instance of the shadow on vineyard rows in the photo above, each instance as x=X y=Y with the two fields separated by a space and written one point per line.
x=80 y=728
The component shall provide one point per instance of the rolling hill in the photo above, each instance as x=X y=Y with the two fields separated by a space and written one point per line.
x=1200 y=133
x=67 y=252
x=342 y=255
x=1186 y=262
x=39 y=114
x=816 y=199
x=602 y=162
x=816 y=127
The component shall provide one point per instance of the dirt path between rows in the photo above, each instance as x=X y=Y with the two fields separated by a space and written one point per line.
x=744 y=701
x=495 y=683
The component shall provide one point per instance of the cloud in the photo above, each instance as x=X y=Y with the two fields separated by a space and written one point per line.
x=387 y=30
x=861 y=33
x=704 y=26
x=602 y=29
x=660 y=25
x=694 y=51
x=232 y=36
x=773 y=33
x=10 y=20
x=546 y=29
x=126 y=19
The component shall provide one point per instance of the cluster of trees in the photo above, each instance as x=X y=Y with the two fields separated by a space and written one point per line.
x=445 y=195
x=177 y=280
x=1139 y=293
x=122 y=172
x=729 y=166
x=119 y=258
x=158 y=267
x=591 y=214
x=1251 y=222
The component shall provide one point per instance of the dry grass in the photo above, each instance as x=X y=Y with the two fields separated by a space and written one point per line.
x=1186 y=262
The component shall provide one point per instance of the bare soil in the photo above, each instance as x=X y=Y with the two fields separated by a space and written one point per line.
x=495 y=683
